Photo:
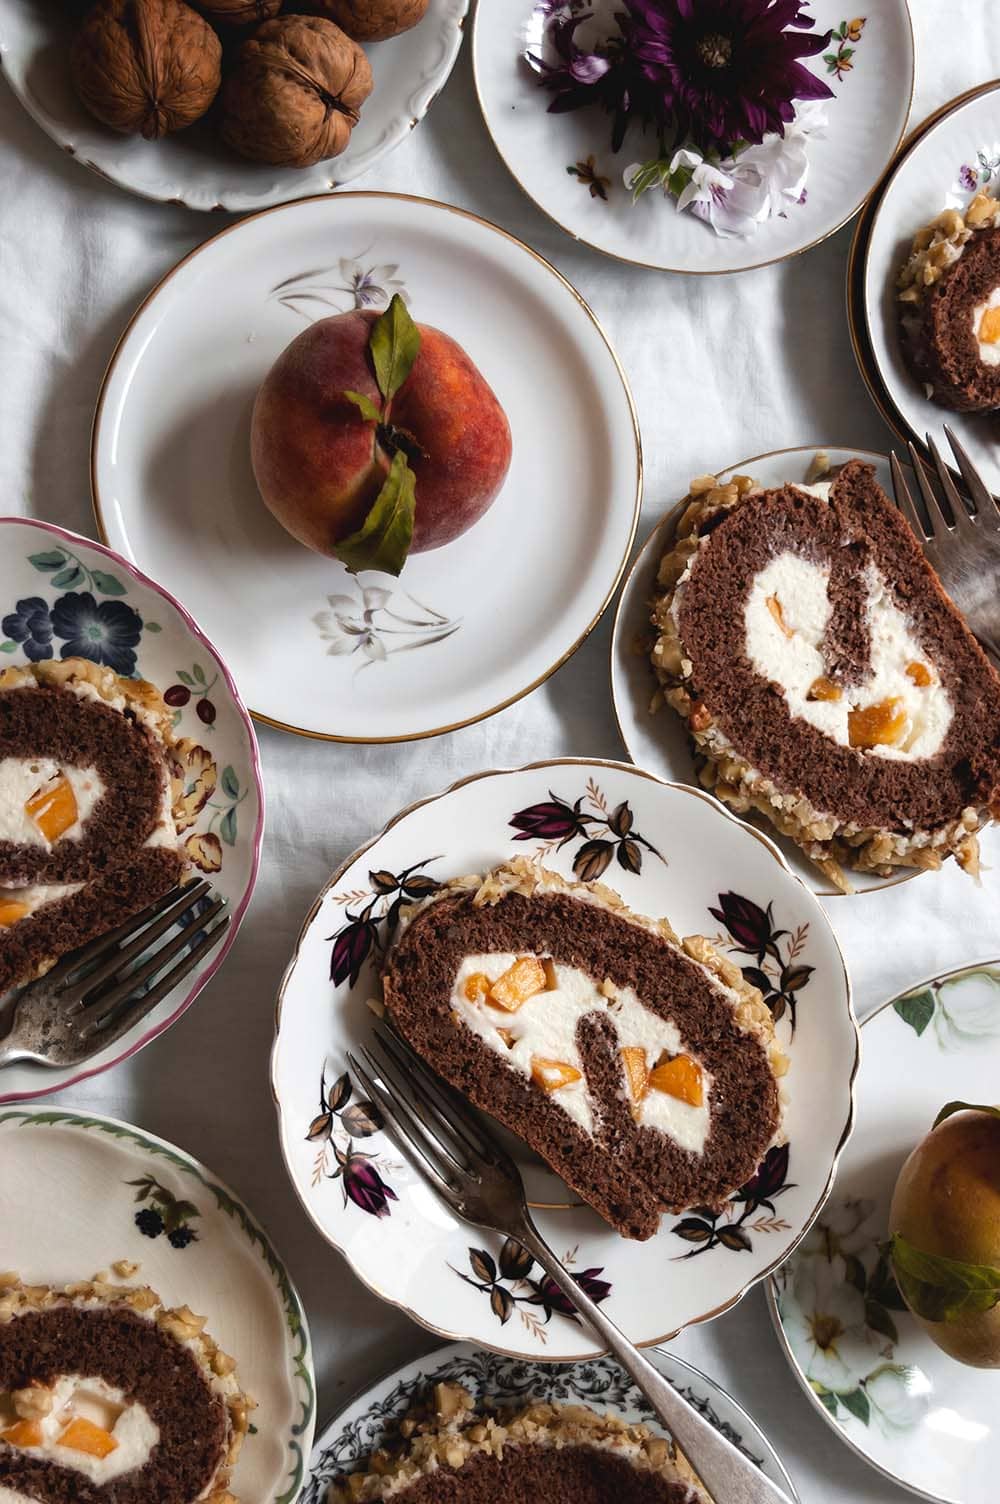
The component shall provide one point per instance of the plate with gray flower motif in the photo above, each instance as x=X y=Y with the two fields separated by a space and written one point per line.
x=466 y=628
x=631 y=124
x=63 y=596
x=372 y=1418
x=91 y=1192
x=669 y=851
x=923 y=1419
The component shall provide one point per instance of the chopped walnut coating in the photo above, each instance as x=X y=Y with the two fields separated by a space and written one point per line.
x=939 y=245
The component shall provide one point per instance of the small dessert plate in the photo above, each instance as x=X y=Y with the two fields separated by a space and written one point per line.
x=113 y=614
x=924 y=1420
x=564 y=162
x=948 y=159
x=194 y=167
x=467 y=628
x=371 y=1418
x=90 y=1191
x=681 y=856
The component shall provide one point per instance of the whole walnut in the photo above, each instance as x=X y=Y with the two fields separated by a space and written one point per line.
x=238 y=12
x=367 y=20
x=147 y=66
x=295 y=93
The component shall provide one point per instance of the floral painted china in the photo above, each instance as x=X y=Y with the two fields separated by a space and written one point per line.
x=63 y=596
x=90 y=1191
x=372 y=1416
x=669 y=851
x=921 y=1418
x=565 y=161
x=948 y=160
x=466 y=628
x=657 y=741
x=193 y=167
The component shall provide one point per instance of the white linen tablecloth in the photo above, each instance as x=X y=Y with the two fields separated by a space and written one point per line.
x=721 y=368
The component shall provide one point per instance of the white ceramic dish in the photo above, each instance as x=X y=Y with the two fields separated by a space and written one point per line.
x=935 y=172
x=388 y=1224
x=922 y=1419
x=194 y=167
x=315 y=649
x=125 y=620
x=368 y=1420
x=867 y=119
x=79 y=1183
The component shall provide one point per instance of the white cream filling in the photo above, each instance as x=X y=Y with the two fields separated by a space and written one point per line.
x=545 y=1027
x=989 y=354
x=22 y=777
x=77 y=1396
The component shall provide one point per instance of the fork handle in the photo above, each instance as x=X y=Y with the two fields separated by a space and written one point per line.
x=729 y=1476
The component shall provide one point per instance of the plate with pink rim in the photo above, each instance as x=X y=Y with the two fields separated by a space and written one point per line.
x=64 y=596
x=669 y=850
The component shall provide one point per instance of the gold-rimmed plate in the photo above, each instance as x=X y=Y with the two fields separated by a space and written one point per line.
x=467 y=628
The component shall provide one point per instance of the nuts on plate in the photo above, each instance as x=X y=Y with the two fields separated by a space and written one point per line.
x=368 y=20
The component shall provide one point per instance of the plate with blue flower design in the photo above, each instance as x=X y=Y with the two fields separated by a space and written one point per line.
x=371 y=1420
x=923 y=1419
x=64 y=596
x=669 y=851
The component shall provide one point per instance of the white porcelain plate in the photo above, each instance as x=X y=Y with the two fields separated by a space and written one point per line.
x=89 y=1191
x=924 y=1420
x=872 y=86
x=467 y=628
x=371 y=1418
x=194 y=167
x=957 y=154
x=709 y=874
x=111 y=613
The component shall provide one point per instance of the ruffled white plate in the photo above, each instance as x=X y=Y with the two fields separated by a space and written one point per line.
x=194 y=167
x=369 y=1419
x=659 y=742
x=936 y=171
x=127 y=621
x=467 y=628
x=682 y=856
x=867 y=119
x=922 y=1419
x=79 y=1184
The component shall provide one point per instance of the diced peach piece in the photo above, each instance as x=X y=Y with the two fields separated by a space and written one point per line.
x=84 y=1436
x=989 y=326
x=774 y=606
x=477 y=985
x=919 y=672
x=550 y=1075
x=680 y=1077
x=551 y=980
x=507 y=1037
x=636 y=1071
x=825 y=689
x=880 y=725
x=23 y=1433
x=53 y=807
x=523 y=980
x=11 y=911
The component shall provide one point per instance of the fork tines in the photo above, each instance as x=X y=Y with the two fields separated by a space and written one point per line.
x=967 y=516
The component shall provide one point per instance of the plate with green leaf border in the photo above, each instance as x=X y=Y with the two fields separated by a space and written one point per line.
x=922 y=1419
x=89 y=1191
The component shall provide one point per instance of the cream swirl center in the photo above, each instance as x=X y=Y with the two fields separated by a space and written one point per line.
x=84 y=1402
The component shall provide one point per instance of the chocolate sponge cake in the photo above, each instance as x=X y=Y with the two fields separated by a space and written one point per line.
x=87 y=836
x=108 y=1397
x=640 y=1067
x=825 y=679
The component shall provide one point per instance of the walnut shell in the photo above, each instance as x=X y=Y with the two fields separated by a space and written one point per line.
x=295 y=93
x=147 y=66
x=238 y=12
x=367 y=20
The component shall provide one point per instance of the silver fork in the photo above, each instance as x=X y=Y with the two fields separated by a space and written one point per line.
x=966 y=551
x=459 y=1159
x=94 y=995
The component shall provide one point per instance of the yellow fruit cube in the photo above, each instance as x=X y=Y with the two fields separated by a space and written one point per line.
x=989 y=326
x=523 y=980
x=83 y=1436
x=680 y=1077
x=880 y=725
x=11 y=911
x=919 y=672
x=550 y=1075
x=24 y=1433
x=53 y=807
x=774 y=606
x=636 y=1071
x=477 y=985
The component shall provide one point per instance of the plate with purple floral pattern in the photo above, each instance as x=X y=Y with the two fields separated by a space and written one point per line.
x=63 y=596
x=695 y=138
x=669 y=850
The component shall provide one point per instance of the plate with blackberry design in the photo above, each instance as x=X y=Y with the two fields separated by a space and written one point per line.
x=127 y=759
x=437 y=1388
x=614 y=969
x=850 y=711
x=128 y=1262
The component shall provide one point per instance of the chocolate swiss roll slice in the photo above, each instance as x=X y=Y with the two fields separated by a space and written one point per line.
x=640 y=1067
x=825 y=679
x=87 y=834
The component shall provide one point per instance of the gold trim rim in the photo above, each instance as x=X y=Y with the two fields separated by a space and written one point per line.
x=578 y=298
x=623 y=767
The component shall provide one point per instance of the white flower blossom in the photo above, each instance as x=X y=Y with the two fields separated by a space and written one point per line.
x=823 y=1315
